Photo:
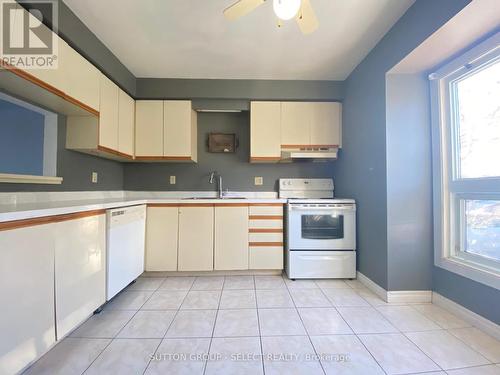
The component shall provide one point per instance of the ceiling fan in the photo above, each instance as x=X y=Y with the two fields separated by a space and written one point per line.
x=285 y=10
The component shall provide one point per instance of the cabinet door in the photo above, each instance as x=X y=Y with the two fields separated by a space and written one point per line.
x=196 y=235
x=27 y=294
x=177 y=132
x=265 y=131
x=326 y=124
x=231 y=238
x=108 y=114
x=126 y=123
x=149 y=128
x=295 y=123
x=81 y=78
x=80 y=270
x=162 y=227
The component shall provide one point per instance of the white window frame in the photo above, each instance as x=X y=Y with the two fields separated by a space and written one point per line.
x=449 y=190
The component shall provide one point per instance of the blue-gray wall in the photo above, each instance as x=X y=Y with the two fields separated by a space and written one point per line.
x=362 y=171
x=238 y=174
x=75 y=168
x=480 y=298
x=409 y=183
x=21 y=140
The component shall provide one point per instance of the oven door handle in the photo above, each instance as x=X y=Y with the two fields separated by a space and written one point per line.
x=299 y=208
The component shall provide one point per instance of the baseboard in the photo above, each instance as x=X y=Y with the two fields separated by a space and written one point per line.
x=374 y=287
x=469 y=316
x=399 y=296
x=409 y=296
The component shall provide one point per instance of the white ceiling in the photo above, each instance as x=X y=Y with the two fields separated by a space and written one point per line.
x=192 y=39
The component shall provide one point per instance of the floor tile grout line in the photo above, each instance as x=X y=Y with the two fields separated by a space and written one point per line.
x=213 y=328
x=361 y=341
x=414 y=343
x=114 y=337
x=463 y=341
x=166 y=331
x=260 y=332
x=306 y=331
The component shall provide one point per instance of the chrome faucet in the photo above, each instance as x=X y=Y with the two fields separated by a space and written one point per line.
x=219 y=182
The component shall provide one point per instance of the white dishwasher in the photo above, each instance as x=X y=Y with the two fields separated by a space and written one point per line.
x=126 y=236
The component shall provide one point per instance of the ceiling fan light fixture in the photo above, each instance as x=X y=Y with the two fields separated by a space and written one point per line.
x=286 y=9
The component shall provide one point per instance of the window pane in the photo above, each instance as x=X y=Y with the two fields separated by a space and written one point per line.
x=479 y=123
x=482 y=225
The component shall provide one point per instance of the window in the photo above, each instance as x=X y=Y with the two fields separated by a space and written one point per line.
x=466 y=146
x=28 y=143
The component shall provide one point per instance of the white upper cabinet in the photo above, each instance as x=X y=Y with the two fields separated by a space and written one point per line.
x=326 y=121
x=81 y=79
x=108 y=115
x=126 y=124
x=179 y=130
x=311 y=124
x=265 y=131
x=148 y=128
x=295 y=123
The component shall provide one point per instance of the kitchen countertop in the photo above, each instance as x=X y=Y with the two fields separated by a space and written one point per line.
x=21 y=211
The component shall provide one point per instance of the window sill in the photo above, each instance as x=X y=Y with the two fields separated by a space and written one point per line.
x=471 y=271
x=29 y=179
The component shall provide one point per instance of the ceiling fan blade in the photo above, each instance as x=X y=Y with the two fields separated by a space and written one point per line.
x=306 y=18
x=241 y=7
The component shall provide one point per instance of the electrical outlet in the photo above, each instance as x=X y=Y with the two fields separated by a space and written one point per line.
x=258 y=180
x=94 y=177
x=172 y=180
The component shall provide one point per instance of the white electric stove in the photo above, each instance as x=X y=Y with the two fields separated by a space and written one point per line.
x=320 y=230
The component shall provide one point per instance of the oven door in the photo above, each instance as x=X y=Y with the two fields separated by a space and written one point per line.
x=329 y=227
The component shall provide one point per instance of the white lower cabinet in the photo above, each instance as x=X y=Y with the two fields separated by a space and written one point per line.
x=80 y=270
x=162 y=227
x=196 y=238
x=266 y=257
x=27 y=293
x=231 y=238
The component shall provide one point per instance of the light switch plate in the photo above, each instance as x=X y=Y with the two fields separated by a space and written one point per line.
x=94 y=177
x=172 y=180
x=258 y=180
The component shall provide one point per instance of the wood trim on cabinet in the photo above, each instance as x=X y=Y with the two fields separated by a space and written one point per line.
x=165 y=158
x=162 y=205
x=265 y=230
x=265 y=244
x=266 y=204
x=265 y=158
x=25 y=75
x=309 y=146
x=195 y=204
x=265 y=217
x=114 y=152
x=230 y=204
x=23 y=223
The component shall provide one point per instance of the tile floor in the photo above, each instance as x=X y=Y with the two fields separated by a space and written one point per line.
x=271 y=325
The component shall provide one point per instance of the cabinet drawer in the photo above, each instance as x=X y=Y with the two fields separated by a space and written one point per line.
x=266 y=223
x=266 y=210
x=265 y=237
x=266 y=258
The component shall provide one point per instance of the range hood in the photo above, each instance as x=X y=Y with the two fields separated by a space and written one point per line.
x=309 y=153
